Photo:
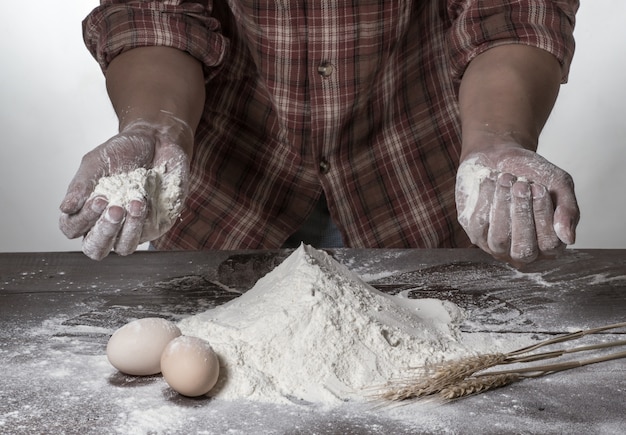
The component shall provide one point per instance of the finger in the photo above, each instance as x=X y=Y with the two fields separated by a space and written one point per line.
x=82 y=185
x=523 y=235
x=77 y=225
x=76 y=196
x=129 y=235
x=565 y=221
x=499 y=234
x=567 y=213
x=543 y=212
x=100 y=240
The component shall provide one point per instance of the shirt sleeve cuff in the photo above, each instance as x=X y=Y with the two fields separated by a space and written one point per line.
x=115 y=27
x=548 y=25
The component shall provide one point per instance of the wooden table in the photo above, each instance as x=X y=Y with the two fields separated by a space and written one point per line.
x=57 y=311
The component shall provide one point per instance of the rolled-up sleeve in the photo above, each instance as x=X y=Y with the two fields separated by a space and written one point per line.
x=118 y=26
x=478 y=25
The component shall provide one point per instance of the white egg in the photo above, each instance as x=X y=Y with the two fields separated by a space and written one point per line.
x=136 y=348
x=190 y=366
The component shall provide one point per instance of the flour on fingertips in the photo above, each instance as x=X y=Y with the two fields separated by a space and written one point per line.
x=162 y=191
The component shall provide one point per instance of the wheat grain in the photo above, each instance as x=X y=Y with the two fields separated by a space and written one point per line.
x=413 y=390
x=477 y=385
x=453 y=370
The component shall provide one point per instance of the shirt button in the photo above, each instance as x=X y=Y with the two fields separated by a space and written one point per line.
x=324 y=166
x=325 y=69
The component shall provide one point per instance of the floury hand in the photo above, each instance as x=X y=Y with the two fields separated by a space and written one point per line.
x=107 y=226
x=516 y=205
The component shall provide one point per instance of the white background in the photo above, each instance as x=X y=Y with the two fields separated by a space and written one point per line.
x=54 y=108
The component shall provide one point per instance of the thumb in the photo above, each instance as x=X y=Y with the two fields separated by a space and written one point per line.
x=565 y=221
x=175 y=162
x=80 y=187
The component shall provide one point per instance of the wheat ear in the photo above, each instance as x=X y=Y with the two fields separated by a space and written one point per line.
x=476 y=385
x=438 y=376
x=495 y=379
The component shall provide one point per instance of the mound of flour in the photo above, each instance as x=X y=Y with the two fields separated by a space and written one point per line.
x=162 y=190
x=311 y=330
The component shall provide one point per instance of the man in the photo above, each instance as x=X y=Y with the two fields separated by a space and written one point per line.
x=364 y=109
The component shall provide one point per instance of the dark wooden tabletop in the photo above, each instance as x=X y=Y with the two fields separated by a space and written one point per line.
x=57 y=311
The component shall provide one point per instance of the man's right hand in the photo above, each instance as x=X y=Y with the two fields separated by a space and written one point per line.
x=111 y=227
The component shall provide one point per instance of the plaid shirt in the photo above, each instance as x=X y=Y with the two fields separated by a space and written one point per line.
x=354 y=99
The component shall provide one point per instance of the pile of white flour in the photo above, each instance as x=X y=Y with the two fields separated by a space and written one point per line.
x=162 y=190
x=312 y=330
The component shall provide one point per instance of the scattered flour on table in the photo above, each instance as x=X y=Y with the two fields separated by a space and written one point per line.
x=311 y=330
x=162 y=190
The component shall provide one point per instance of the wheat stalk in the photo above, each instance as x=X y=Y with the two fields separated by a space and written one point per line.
x=542 y=370
x=567 y=337
x=454 y=379
x=557 y=353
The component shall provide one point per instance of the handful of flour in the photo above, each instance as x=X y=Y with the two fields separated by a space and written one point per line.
x=162 y=191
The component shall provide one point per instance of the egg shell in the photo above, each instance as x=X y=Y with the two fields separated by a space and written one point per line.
x=136 y=348
x=190 y=366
